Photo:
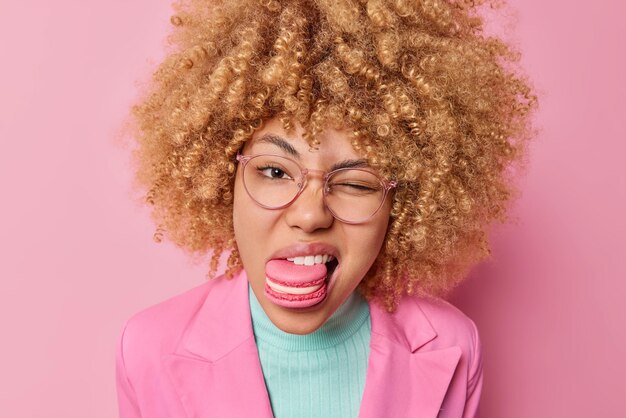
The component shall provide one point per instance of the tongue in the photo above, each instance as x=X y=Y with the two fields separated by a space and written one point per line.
x=290 y=274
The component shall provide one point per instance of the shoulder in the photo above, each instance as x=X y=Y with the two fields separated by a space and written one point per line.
x=168 y=318
x=426 y=323
x=450 y=323
x=157 y=330
x=451 y=326
x=438 y=324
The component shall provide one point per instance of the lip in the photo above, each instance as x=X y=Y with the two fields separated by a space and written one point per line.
x=299 y=250
x=302 y=249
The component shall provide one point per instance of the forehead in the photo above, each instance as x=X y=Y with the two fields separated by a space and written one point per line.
x=334 y=144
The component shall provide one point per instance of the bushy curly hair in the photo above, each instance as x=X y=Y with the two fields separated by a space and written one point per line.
x=431 y=101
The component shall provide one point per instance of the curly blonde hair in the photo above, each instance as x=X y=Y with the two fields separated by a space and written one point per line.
x=430 y=101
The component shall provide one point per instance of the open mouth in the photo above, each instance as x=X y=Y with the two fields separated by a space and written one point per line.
x=299 y=282
x=331 y=266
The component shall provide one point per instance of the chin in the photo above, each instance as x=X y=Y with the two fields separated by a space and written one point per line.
x=299 y=329
x=299 y=323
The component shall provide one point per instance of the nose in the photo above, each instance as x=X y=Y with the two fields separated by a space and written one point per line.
x=308 y=212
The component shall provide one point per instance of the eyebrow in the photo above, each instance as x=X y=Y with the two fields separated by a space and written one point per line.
x=280 y=143
x=361 y=163
x=289 y=149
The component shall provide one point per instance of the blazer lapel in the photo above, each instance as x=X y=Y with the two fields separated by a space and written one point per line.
x=404 y=379
x=216 y=369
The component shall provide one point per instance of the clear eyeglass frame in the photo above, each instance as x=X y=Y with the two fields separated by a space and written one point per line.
x=386 y=185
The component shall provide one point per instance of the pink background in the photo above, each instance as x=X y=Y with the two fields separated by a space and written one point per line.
x=78 y=258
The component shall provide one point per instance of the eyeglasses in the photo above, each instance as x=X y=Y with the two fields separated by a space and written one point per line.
x=352 y=195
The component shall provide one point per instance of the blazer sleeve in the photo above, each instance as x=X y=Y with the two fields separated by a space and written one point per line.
x=475 y=380
x=126 y=397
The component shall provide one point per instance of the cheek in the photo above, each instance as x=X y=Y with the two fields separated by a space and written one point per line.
x=367 y=243
x=238 y=208
x=379 y=226
x=373 y=242
x=252 y=225
x=246 y=220
x=378 y=231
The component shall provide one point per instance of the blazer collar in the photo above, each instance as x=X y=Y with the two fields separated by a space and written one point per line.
x=407 y=327
x=216 y=369
x=223 y=321
x=218 y=351
x=405 y=378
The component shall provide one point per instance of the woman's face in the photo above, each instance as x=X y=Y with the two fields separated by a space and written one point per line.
x=305 y=228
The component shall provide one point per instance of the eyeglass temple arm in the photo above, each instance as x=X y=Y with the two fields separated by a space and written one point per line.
x=390 y=184
x=243 y=158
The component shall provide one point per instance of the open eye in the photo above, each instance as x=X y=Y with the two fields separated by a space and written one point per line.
x=274 y=172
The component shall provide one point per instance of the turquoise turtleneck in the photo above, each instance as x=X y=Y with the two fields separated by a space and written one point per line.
x=321 y=374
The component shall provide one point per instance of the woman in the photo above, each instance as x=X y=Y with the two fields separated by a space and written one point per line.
x=349 y=156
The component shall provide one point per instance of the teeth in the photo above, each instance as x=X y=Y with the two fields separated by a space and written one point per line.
x=309 y=260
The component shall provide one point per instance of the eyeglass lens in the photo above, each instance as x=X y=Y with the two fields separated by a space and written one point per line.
x=352 y=195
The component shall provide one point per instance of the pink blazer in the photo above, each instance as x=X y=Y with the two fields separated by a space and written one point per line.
x=195 y=356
